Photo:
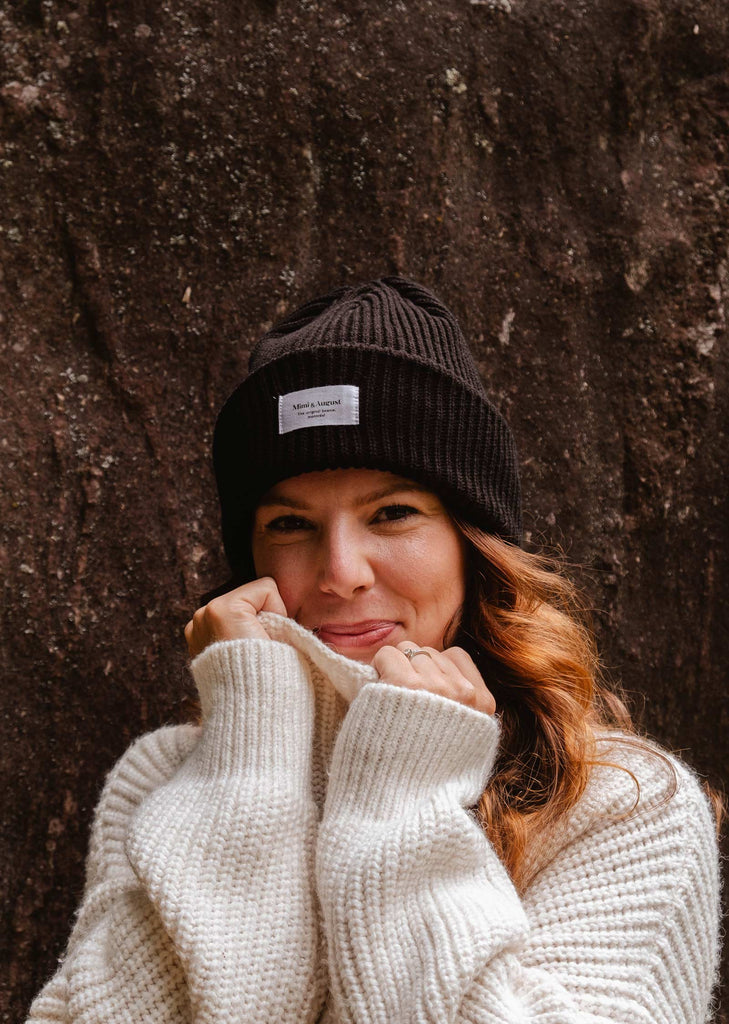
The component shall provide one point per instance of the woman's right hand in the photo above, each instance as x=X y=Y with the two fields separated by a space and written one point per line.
x=233 y=616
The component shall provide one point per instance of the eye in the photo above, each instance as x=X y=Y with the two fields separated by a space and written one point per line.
x=287 y=524
x=395 y=513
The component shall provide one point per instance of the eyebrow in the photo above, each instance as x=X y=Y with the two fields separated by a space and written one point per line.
x=367 y=499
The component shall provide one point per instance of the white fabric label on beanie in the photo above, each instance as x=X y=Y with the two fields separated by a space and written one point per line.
x=336 y=405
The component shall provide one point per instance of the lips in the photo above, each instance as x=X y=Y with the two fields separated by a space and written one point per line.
x=355 y=634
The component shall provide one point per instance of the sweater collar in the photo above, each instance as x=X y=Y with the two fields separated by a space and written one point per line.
x=347 y=676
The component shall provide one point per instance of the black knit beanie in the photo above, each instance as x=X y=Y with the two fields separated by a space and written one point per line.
x=376 y=376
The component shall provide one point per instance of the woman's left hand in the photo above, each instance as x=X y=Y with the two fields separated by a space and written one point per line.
x=450 y=673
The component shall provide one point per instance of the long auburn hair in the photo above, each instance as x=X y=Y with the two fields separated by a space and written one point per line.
x=524 y=623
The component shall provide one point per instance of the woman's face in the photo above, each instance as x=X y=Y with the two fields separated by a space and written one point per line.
x=362 y=557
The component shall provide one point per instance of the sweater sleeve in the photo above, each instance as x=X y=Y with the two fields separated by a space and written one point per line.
x=423 y=923
x=203 y=909
x=148 y=763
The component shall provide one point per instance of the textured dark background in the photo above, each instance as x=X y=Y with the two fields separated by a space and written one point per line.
x=175 y=175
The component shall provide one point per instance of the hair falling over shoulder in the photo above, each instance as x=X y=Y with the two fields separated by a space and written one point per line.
x=524 y=624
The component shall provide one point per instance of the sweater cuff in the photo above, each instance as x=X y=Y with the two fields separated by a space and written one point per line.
x=257 y=707
x=398 y=747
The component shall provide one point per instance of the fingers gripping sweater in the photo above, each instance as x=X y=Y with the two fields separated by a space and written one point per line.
x=308 y=855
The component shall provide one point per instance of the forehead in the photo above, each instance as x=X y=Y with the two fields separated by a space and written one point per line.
x=358 y=486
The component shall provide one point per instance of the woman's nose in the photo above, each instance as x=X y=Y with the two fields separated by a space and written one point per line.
x=345 y=562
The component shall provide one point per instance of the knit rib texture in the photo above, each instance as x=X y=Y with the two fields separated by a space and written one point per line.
x=309 y=854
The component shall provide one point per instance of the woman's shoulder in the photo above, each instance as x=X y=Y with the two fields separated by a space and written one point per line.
x=148 y=763
x=145 y=766
x=639 y=796
x=634 y=775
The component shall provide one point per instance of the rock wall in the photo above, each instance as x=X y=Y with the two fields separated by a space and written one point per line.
x=175 y=176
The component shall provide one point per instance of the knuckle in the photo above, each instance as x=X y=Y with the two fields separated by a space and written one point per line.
x=459 y=656
x=217 y=603
x=468 y=693
x=214 y=620
x=215 y=614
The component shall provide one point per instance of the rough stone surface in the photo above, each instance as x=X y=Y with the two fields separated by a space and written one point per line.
x=175 y=176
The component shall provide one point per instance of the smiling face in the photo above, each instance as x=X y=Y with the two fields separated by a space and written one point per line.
x=362 y=557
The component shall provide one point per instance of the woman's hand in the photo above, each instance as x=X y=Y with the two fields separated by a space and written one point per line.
x=450 y=673
x=233 y=616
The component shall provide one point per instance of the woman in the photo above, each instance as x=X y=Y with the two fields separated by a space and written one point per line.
x=409 y=798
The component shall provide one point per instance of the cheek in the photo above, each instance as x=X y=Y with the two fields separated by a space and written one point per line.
x=287 y=569
x=430 y=570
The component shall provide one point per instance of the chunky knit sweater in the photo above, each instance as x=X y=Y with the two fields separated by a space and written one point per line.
x=308 y=854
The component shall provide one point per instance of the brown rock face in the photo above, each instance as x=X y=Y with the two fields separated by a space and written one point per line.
x=175 y=176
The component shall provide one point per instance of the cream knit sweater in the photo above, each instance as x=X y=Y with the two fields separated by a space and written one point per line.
x=308 y=855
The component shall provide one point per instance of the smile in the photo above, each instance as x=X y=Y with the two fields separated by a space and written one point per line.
x=355 y=634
